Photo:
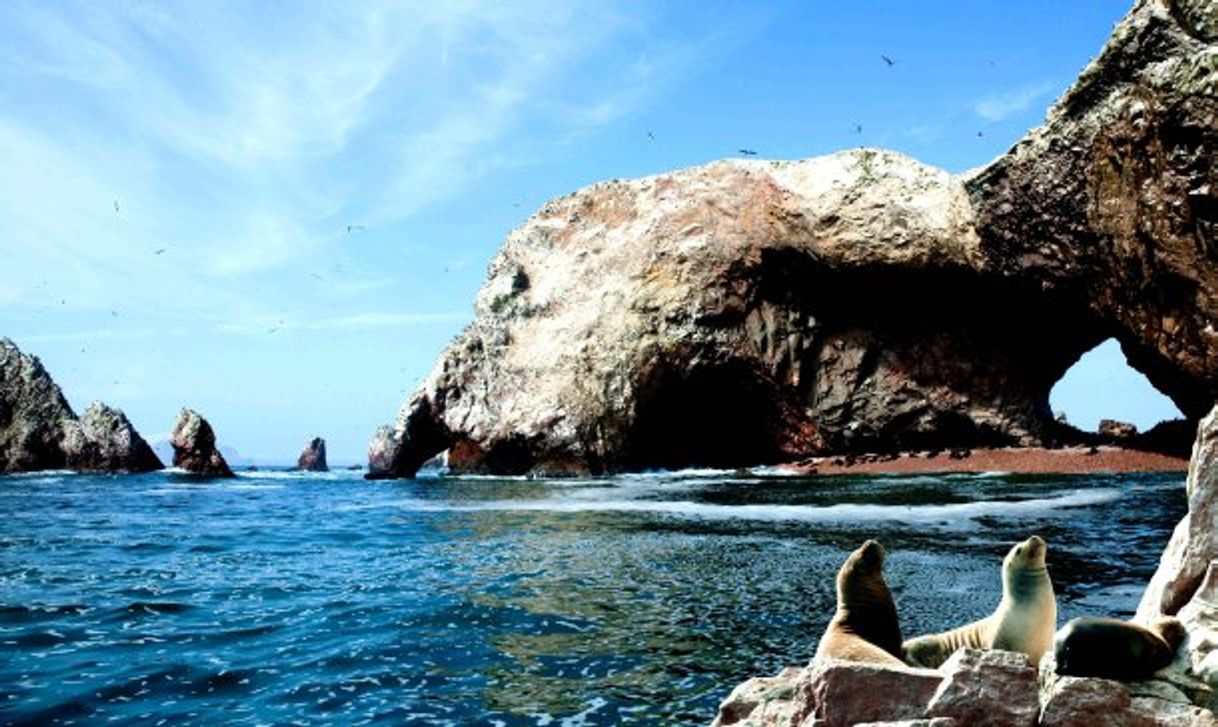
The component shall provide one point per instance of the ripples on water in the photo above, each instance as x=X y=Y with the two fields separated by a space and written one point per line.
x=282 y=598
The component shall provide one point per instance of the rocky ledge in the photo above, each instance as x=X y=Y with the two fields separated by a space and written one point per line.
x=194 y=447
x=39 y=430
x=313 y=457
x=999 y=687
x=748 y=311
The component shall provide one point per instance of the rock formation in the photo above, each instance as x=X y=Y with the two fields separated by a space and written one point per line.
x=104 y=440
x=1113 y=202
x=313 y=458
x=1115 y=431
x=194 y=447
x=1186 y=583
x=750 y=311
x=39 y=430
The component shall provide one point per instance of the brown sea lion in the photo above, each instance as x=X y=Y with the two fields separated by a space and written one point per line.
x=1024 y=621
x=865 y=626
x=1089 y=646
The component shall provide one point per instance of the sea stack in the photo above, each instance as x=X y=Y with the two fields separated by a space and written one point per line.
x=194 y=447
x=313 y=458
x=39 y=430
x=104 y=440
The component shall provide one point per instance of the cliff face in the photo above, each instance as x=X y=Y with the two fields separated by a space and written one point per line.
x=750 y=311
x=39 y=430
x=1113 y=202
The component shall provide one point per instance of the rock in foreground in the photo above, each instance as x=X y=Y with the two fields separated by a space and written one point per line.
x=39 y=430
x=313 y=458
x=194 y=447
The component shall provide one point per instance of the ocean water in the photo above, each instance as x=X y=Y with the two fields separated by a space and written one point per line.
x=283 y=598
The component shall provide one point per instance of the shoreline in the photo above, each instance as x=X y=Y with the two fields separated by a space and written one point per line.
x=1013 y=460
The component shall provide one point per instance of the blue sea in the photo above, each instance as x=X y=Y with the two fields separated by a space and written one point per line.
x=286 y=598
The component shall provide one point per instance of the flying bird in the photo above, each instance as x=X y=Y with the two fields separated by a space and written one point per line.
x=158 y=251
x=747 y=152
x=355 y=228
x=651 y=136
x=858 y=128
x=888 y=60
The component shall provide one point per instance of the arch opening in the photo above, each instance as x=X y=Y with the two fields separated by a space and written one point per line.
x=1102 y=385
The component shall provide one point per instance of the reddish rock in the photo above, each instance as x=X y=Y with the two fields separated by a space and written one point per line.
x=987 y=688
x=194 y=447
x=313 y=458
x=1086 y=702
x=845 y=693
x=760 y=702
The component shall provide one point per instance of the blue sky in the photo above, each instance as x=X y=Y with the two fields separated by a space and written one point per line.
x=278 y=215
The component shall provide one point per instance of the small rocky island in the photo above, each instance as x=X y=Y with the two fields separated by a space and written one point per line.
x=194 y=447
x=39 y=430
x=313 y=458
x=751 y=311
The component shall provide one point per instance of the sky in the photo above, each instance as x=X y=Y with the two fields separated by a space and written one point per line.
x=279 y=214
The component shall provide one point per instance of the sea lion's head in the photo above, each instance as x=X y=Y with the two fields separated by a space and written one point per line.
x=864 y=603
x=1170 y=629
x=860 y=579
x=1024 y=567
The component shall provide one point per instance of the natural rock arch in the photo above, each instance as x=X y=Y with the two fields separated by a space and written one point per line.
x=872 y=301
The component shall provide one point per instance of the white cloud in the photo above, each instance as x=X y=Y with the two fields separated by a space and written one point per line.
x=998 y=107
x=240 y=139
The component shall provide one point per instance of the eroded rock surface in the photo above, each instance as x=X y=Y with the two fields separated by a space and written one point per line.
x=104 y=440
x=313 y=458
x=738 y=313
x=749 y=311
x=39 y=430
x=1113 y=201
x=194 y=447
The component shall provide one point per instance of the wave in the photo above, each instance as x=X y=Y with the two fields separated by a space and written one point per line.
x=1054 y=506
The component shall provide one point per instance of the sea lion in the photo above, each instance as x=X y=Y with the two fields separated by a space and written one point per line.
x=1089 y=646
x=1024 y=621
x=865 y=626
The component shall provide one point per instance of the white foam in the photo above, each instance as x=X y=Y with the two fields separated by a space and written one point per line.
x=1055 y=506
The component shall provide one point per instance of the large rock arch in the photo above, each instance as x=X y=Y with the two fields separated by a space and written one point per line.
x=857 y=301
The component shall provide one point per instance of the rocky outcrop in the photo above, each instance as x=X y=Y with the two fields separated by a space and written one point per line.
x=104 y=440
x=1113 y=202
x=1114 y=431
x=750 y=311
x=1186 y=582
x=39 y=430
x=313 y=458
x=194 y=447
x=738 y=313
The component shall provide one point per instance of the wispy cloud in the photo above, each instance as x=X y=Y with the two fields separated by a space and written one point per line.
x=194 y=144
x=997 y=107
x=358 y=322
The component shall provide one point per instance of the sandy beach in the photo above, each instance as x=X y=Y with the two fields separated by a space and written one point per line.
x=1029 y=460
